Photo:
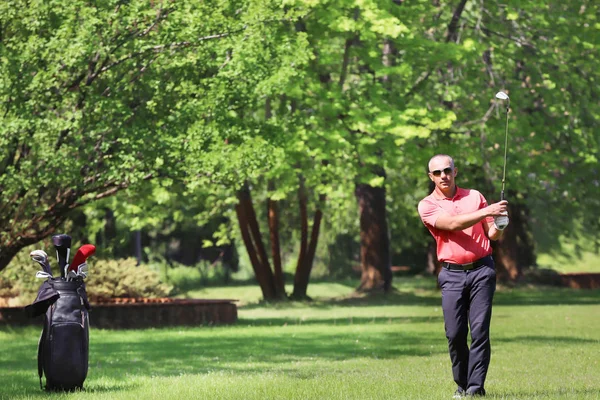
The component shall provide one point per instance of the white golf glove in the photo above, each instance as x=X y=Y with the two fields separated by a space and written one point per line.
x=501 y=222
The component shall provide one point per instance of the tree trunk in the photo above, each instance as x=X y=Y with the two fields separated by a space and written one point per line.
x=300 y=265
x=273 y=215
x=246 y=201
x=7 y=254
x=138 y=246
x=375 y=257
x=307 y=250
x=515 y=249
x=433 y=265
x=254 y=246
x=10 y=248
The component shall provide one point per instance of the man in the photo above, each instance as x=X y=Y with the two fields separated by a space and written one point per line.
x=462 y=224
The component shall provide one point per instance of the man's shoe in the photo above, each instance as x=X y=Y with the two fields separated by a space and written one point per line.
x=459 y=394
x=476 y=393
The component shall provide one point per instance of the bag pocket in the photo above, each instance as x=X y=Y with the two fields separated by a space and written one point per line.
x=66 y=363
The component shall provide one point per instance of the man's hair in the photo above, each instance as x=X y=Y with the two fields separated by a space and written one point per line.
x=440 y=156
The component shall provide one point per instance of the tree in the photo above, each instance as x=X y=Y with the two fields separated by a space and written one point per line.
x=99 y=97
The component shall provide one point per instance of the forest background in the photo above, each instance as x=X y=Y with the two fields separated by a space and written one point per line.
x=279 y=140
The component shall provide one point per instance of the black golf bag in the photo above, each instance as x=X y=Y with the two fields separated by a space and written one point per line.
x=64 y=344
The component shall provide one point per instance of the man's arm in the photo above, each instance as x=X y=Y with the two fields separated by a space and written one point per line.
x=493 y=233
x=459 y=222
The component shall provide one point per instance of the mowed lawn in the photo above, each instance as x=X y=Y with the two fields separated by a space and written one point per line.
x=545 y=343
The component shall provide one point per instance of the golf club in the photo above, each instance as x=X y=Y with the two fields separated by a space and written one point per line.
x=62 y=244
x=40 y=257
x=502 y=221
x=81 y=272
x=71 y=275
x=43 y=275
x=82 y=255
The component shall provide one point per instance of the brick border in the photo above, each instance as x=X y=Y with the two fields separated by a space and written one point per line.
x=140 y=315
x=581 y=280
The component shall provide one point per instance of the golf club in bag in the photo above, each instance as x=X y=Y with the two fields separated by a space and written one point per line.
x=81 y=256
x=62 y=244
x=502 y=221
x=40 y=257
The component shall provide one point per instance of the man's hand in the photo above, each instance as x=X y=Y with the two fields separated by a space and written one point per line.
x=497 y=209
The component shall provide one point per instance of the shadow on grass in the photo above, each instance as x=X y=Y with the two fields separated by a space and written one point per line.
x=255 y=353
x=19 y=377
x=544 y=295
x=550 y=394
x=395 y=298
x=521 y=296
x=346 y=321
x=117 y=356
x=547 y=340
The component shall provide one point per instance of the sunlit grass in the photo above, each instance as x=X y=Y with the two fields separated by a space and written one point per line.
x=546 y=345
x=574 y=260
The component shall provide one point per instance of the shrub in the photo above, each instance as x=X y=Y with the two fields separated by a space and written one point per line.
x=106 y=279
x=123 y=278
x=18 y=281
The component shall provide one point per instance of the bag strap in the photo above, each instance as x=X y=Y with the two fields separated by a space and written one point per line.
x=41 y=352
x=83 y=296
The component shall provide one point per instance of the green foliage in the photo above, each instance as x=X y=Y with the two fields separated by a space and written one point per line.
x=99 y=97
x=538 y=55
x=184 y=278
x=208 y=95
x=18 y=281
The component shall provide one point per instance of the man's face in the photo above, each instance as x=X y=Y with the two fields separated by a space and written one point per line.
x=442 y=173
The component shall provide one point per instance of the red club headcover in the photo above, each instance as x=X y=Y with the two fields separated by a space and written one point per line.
x=82 y=254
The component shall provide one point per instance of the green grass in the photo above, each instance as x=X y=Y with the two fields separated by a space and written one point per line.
x=572 y=260
x=577 y=253
x=545 y=343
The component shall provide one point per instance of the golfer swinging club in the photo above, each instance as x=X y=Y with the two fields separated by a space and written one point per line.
x=463 y=224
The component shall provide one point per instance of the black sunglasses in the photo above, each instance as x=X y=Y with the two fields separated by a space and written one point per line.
x=438 y=172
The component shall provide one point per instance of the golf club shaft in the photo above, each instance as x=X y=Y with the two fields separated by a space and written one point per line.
x=505 y=152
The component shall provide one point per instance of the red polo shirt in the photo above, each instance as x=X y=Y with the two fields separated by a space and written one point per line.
x=459 y=247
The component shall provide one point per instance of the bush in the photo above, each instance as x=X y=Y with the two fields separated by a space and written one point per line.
x=106 y=279
x=18 y=281
x=123 y=278
x=185 y=278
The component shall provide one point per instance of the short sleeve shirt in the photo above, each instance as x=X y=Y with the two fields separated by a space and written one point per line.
x=459 y=247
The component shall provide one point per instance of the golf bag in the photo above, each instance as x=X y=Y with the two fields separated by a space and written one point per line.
x=64 y=344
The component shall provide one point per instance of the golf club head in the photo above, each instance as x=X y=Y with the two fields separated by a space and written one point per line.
x=43 y=275
x=71 y=275
x=82 y=255
x=504 y=96
x=82 y=270
x=62 y=244
x=40 y=257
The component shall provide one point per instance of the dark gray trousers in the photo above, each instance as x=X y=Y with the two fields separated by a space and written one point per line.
x=467 y=301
